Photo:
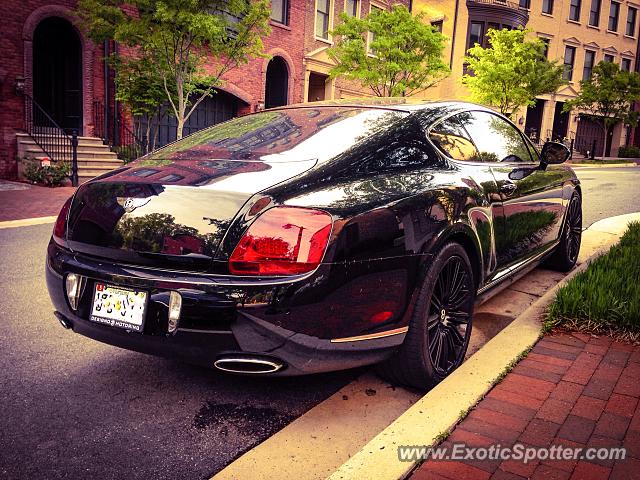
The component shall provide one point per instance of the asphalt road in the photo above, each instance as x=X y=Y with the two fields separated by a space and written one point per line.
x=609 y=191
x=74 y=408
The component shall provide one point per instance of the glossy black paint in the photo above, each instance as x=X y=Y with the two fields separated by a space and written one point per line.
x=394 y=196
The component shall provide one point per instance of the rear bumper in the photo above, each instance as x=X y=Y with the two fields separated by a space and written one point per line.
x=221 y=318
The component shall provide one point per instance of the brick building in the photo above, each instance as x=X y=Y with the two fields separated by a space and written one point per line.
x=48 y=57
x=578 y=33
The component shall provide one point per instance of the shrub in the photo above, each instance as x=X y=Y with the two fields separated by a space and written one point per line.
x=629 y=152
x=52 y=176
x=128 y=153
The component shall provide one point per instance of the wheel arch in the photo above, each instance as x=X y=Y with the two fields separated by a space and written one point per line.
x=462 y=234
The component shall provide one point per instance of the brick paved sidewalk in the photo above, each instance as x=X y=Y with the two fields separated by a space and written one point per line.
x=572 y=390
x=20 y=200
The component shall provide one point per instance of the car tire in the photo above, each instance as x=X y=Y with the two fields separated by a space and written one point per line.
x=416 y=363
x=565 y=255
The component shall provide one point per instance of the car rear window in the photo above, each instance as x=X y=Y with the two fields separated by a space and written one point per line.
x=282 y=135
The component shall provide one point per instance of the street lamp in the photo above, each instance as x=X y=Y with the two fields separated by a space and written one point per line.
x=19 y=86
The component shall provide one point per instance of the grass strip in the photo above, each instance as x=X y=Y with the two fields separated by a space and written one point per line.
x=605 y=298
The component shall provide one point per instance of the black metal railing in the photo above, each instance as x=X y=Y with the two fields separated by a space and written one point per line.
x=51 y=138
x=115 y=133
x=586 y=146
x=131 y=147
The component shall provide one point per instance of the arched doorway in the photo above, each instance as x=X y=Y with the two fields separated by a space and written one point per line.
x=57 y=72
x=277 y=83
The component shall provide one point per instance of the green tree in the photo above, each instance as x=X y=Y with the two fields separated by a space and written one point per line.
x=140 y=87
x=608 y=97
x=391 y=52
x=178 y=37
x=511 y=72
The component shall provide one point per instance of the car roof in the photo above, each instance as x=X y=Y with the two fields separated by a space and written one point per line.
x=408 y=104
x=403 y=104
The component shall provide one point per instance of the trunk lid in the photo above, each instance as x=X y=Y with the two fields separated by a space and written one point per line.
x=168 y=213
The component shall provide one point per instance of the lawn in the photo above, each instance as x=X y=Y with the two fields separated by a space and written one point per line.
x=605 y=298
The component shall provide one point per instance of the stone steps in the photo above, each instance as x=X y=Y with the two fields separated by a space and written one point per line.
x=94 y=157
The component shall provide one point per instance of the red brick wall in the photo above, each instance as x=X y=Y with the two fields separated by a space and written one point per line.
x=20 y=17
x=247 y=82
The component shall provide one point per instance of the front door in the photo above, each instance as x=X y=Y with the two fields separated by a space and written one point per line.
x=57 y=73
x=560 y=122
x=533 y=125
x=531 y=198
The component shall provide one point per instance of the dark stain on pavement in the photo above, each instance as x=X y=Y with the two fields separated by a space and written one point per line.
x=247 y=419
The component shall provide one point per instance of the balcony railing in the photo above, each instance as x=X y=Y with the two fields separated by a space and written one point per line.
x=500 y=3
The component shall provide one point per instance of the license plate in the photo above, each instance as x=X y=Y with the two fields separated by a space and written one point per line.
x=119 y=307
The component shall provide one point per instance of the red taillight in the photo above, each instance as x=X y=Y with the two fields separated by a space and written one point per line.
x=282 y=241
x=60 y=228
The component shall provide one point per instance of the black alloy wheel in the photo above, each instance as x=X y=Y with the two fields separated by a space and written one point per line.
x=449 y=316
x=566 y=253
x=441 y=322
x=573 y=231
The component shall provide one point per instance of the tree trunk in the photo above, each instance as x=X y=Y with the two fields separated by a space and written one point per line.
x=180 y=127
x=604 y=144
x=147 y=137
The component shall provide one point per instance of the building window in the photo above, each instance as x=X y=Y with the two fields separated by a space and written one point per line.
x=280 y=11
x=372 y=36
x=323 y=7
x=625 y=64
x=609 y=58
x=574 y=10
x=525 y=4
x=143 y=172
x=547 y=6
x=545 y=51
x=437 y=25
x=569 y=60
x=631 y=22
x=589 y=60
x=614 y=12
x=352 y=7
x=594 y=13
x=172 y=177
x=476 y=34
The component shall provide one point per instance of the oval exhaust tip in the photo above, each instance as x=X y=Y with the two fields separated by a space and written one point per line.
x=247 y=365
x=64 y=321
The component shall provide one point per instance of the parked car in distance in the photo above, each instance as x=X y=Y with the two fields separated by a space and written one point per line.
x=315 y=238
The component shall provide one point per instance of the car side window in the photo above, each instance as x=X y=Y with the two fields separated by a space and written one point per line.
x=449 y=137
x=496 y=139
x=398 y=148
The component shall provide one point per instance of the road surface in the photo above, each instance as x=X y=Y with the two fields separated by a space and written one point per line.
x=74 y=408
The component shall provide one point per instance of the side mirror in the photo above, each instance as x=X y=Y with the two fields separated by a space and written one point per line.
x=554 y=153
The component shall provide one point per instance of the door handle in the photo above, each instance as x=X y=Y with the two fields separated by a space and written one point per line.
x=508 y=188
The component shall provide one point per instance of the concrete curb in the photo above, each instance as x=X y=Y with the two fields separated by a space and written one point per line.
x=27 y=222
x=440 y=409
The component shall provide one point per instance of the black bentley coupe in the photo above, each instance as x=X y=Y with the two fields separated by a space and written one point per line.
x=314 y=238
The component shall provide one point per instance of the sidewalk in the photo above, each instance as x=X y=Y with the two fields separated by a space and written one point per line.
x=573 y=390
x=20 y=200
